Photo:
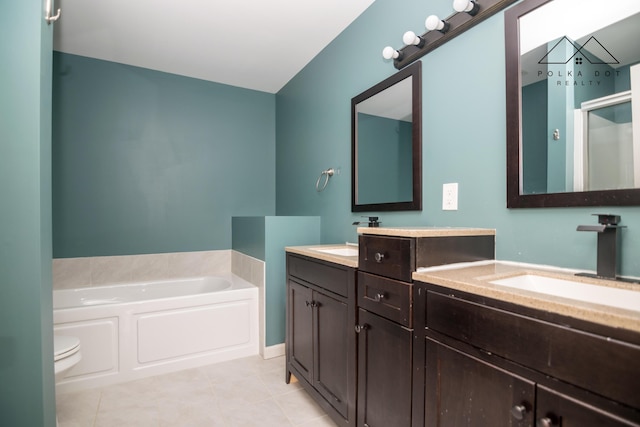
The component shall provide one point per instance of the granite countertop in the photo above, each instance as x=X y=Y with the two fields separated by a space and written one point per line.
x=475 y=277
x=426 y=231
x=312 y=251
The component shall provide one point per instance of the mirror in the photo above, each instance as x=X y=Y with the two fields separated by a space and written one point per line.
x=573 y=103
x=386 y=142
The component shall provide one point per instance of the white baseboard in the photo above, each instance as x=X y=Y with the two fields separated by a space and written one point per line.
x=273 y=351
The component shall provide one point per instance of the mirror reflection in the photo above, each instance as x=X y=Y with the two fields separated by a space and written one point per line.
x=386 y=141
x=384 y=129
x=580 y=96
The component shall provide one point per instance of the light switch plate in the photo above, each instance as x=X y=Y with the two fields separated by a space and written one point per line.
x=450 y=197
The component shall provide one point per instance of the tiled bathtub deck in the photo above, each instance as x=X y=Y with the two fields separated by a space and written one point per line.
x=243 y=392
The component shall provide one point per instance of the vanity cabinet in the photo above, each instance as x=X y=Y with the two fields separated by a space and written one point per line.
x=385 y=334
x=384 y=352
x=350 y=337
x=320 y=333
x=386 y=315
x=485 y=362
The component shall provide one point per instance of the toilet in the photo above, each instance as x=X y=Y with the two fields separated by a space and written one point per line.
x=66 y=354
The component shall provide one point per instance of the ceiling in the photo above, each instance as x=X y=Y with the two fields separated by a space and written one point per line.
x=254 y=44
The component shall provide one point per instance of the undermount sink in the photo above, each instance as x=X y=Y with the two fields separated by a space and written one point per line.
x=603 y=295
x=340 y=251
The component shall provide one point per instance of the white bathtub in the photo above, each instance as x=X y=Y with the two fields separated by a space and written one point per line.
x=142 y=329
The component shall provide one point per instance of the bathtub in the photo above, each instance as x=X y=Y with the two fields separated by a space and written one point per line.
x=131 y=331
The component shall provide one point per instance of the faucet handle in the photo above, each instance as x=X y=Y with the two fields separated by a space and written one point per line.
x=608 y=219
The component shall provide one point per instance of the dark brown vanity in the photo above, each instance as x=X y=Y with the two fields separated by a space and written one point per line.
x=387 y=258
x=378 y=344
x=488 y=362
x=320 y=334
x=355 y=326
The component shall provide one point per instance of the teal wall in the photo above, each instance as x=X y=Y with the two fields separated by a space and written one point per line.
x=464 y=141
x=265 y=238
x=559 y=116
x=623 y=78
x=534 y=125
x=149 y=162
x=281 y=232
x=248 y=236
x=384 y=149
x=606 y=86
x=27 y=396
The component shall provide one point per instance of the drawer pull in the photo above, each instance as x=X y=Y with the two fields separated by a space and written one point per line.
x=518 y=412
x=544 y=422
x=378 y=257
x=360 y=328
x=379 y=297
x=311 y=304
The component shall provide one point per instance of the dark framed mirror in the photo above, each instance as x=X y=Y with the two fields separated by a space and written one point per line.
x=386 y=144
x=573 y=103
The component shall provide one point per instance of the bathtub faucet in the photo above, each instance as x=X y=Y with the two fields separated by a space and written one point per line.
x=608 y=244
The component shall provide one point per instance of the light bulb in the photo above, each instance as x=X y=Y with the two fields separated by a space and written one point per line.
x=410 y=38
x=468 y=6
x=390 y=53
x=435 y=23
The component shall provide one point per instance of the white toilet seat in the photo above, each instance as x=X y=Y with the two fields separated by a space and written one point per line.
x=66 y=354
x=64 y=346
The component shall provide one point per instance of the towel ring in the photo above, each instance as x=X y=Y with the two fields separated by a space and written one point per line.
x=327 y=174
x=48 y=17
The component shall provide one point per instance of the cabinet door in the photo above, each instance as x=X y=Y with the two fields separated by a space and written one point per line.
x=331 y=371
x=384 y=372
x=555 y=409
x=462 y=390
x=300 y=346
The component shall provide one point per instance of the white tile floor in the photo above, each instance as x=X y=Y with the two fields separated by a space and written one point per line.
x=243 y=392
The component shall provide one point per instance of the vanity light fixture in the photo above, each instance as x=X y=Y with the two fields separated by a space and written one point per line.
x=411 y=38
x=469 y=6
x=390 y=53
x=466 y=14
x=434 y=23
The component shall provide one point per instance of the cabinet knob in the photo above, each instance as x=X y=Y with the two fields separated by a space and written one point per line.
x=518 y=412
x=379 y=296
x=311 y=304
x=378 y=257
x=544 y=422
x=360 y=328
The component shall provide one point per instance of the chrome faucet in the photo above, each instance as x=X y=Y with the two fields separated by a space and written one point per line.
x=608 y=244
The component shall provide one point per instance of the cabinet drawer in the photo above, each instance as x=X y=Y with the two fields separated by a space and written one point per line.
x=330 y=277
x=597 y=363
x=462 y=390
x=388 y=298
x=392 y=257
